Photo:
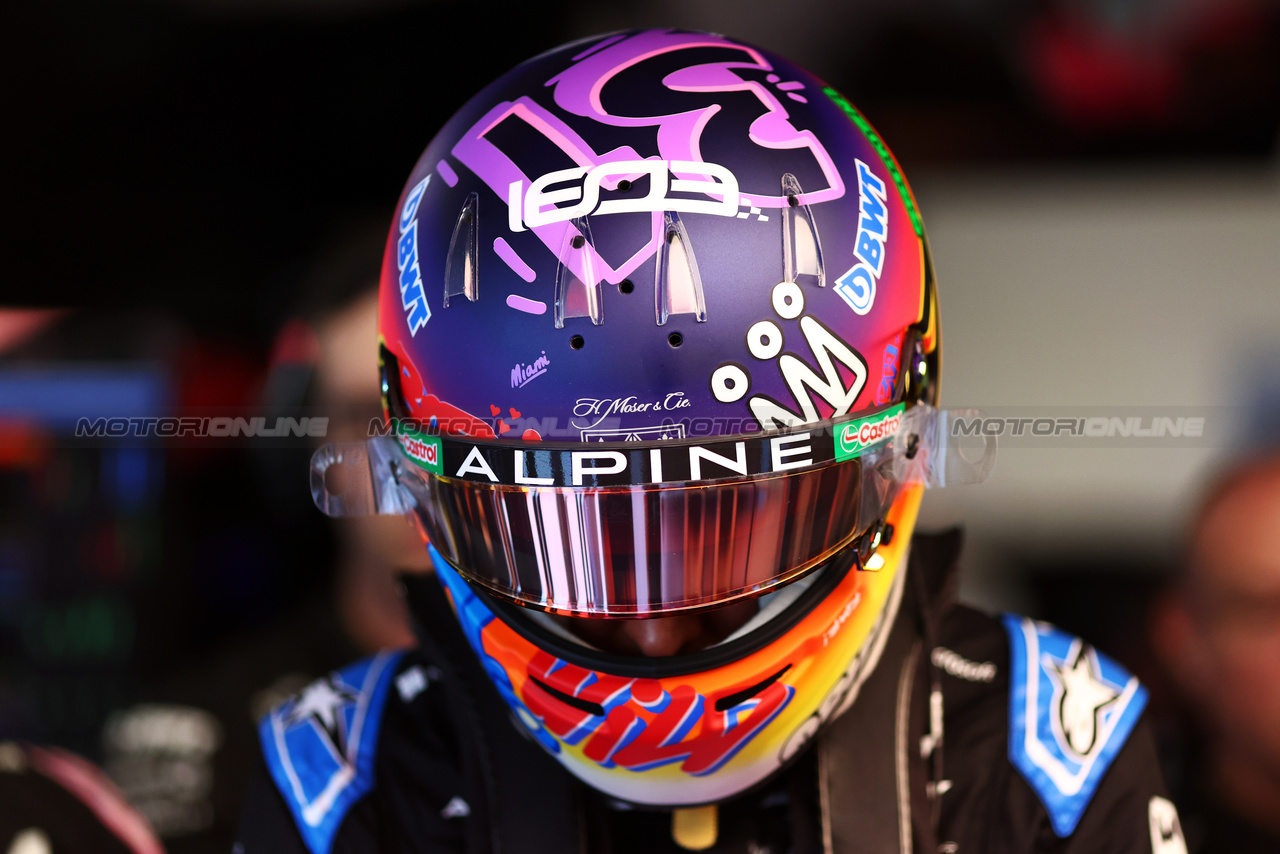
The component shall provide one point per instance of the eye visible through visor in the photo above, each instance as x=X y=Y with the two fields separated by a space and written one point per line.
x=637 y=529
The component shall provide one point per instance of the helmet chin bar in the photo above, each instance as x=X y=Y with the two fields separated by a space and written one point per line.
x=800 y=670
x=932 y=447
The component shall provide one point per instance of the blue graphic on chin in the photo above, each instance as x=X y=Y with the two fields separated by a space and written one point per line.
x=474 y=616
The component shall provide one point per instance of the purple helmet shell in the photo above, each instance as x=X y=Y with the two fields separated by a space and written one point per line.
x=652 y=234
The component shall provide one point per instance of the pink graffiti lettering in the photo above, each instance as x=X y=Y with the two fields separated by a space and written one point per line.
x=578 y=90
x=496 y=168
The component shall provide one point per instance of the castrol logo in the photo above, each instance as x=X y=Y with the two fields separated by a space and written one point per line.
x=855 y=437
x=869 y=434
x=424 y=450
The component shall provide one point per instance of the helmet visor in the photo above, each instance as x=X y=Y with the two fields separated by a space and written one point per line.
x=646 y=548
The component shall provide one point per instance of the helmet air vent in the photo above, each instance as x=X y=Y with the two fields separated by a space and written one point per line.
x=801 y=250
x=577 y=277
x=677 y=283
x=461 y=272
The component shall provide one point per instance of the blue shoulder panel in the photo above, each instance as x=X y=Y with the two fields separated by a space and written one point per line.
x=320 y=745
x=1071 y=710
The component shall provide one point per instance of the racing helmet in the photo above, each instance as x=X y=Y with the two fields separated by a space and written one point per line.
x=659 y=334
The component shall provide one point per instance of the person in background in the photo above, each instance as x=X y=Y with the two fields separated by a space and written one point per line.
x=184 y=757
x=372 y=549
x=1217 y=634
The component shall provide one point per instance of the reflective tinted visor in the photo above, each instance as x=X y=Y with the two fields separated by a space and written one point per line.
x=642 y=550
x=550 y=527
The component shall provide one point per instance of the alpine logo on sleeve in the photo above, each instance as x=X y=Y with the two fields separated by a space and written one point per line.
x=1071 y=710
x=319 y=746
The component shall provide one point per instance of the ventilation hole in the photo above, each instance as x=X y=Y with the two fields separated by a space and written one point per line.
x=574 y=702
x=579 y=241
x=724 y=704
x=626 y=286
x=576 y=342
x=792 y=201
x=675 y=339
x=624 y=185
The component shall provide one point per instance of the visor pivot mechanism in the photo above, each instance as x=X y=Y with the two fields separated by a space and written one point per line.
x=867 y=545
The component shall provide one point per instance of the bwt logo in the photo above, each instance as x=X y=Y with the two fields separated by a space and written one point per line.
x=581 y=186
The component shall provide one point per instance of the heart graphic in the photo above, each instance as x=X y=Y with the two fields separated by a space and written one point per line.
x=495 y=410
x=503 y=427
x=514 y=413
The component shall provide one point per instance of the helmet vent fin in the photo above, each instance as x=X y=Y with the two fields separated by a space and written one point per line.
x=577 y=276
x=461 y=269
x=801 y=249
x=677 y=282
